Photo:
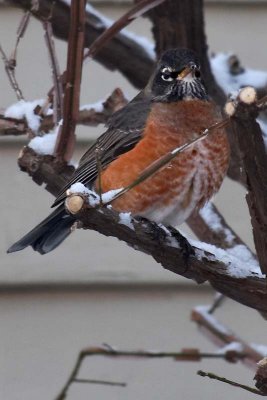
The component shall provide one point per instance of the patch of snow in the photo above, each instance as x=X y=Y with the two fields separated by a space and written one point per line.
x=171 y=240
x=78 y=187
x=107 y=197
x=204 y=311
x=25 y=109
x=45 y=145
x=93 y=197
x=260 y=348
x=214 y=222
x=125 y=218
x=98 y=106
x=229 y=82
x=233 y=346
x=239 y=261
x=163 y=227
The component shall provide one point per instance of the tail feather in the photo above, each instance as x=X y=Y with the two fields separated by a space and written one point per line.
x=46 y=236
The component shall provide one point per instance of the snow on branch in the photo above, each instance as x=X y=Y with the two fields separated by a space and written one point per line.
x=20 y=116
x=225 y=338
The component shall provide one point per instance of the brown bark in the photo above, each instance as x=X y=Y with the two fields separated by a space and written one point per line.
x=254 y=156
x=66 y=137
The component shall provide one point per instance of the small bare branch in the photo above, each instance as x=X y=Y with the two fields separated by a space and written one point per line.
x=107 y=351
x=20 y=33
x=232 y=383
x=58 y=91
x=11 y=75
x=99 y=382
x=222 y=335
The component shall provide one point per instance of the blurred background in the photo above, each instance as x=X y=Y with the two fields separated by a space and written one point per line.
x=95 y=290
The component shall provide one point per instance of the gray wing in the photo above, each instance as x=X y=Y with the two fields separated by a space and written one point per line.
x=125 y=129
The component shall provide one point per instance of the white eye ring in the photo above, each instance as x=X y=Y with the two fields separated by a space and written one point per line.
x=167 y=77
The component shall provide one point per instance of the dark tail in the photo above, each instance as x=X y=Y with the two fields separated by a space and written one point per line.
x=46 y=236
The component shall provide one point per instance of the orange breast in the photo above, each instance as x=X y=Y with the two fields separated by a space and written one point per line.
x=169 y=126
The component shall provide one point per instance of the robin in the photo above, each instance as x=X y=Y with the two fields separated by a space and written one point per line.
x=171 y=110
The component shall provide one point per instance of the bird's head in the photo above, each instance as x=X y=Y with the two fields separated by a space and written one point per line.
x=177 y=77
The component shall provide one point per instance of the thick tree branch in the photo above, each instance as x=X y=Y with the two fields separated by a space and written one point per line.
x=152 y=239
x=254 y=156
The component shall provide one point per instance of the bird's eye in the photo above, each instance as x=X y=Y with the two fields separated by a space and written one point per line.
x=197 y=73
x=167 y=75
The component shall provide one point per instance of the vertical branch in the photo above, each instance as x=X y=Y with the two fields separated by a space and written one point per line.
x=20 y=33
x=11 y=75
x=58 y=88
x=254 y=156
x=66 y=137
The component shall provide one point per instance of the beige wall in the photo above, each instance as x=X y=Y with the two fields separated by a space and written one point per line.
x=42 y=333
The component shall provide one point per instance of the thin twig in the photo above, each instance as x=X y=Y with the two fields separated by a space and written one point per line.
x=222 y=335
x=218 y=300
x=58 y=92
x=232 y=383
x=20 y=33
x=11 y=75
x=108 y=351
x=99 y=382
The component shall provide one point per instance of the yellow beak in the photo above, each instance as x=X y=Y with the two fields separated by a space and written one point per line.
x=184 y=73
